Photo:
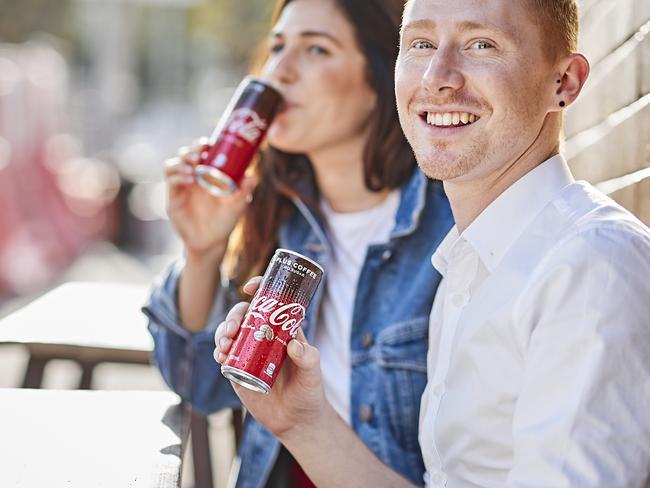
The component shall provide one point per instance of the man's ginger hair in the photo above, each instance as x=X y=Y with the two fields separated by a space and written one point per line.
x=560 y=24
x=559 y=21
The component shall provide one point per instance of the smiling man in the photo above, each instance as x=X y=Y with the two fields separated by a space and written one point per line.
x=539 y=348
x=539 y=359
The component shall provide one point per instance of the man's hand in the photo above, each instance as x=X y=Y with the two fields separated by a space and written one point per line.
x=297 y=400
x=297 y=412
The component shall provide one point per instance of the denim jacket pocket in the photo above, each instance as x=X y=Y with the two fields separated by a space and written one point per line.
x=404 y=345
x=402 y=356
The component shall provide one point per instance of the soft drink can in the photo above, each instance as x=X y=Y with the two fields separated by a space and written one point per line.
x=272 y=320
x=237 y=137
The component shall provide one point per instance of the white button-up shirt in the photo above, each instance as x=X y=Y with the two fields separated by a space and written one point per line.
x=539 y=351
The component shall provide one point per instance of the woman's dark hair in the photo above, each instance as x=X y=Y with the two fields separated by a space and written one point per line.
x=388 y=160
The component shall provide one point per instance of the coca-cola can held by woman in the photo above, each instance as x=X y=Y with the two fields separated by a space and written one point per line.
x=238 y=136
x=273 y=319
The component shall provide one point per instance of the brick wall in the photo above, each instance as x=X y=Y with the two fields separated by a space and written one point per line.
x=608 y=128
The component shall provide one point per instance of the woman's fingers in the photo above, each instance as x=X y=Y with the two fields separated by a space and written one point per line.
x=191 y=154
x=179 y=180
x=199 y=144
x=176 y=166
x=178 y=173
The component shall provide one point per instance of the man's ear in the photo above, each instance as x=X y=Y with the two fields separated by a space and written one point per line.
x=573 y=71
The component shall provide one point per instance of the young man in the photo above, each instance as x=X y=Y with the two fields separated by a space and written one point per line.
x=539 y=360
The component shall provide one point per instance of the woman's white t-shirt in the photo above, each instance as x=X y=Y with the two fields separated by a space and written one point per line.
x=349 y=235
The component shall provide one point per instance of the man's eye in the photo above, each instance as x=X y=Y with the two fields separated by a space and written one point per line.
x=482 y=45
x=422 y=45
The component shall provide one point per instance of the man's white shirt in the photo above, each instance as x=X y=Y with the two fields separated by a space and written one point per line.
x=539 y=348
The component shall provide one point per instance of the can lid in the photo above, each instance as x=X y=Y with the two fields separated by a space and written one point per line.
x=289 y=251
x=255 y=79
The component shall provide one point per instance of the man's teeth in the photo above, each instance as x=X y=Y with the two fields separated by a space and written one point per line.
x=450 y=118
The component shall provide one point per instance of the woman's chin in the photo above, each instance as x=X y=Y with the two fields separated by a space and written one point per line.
x=285 y=144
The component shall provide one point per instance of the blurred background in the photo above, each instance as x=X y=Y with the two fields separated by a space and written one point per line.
x=96 y=94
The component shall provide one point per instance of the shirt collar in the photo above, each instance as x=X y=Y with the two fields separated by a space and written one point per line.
x=506 y=218
x=413 y=197
x=440 y=258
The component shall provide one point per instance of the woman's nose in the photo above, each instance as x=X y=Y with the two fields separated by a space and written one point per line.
x=281 y=68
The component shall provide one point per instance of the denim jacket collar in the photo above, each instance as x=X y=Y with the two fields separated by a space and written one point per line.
x=313 y=237
x=411 y=205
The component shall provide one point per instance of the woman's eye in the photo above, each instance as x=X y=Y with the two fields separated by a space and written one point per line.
x=318 y=50
x=276 y=48
x=482 y=45
x=422 y=45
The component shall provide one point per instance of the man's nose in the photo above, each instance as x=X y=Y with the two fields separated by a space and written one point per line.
x=443 y=74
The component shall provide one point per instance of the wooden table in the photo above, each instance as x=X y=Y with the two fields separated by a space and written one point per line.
x=91 y=323
x=88 y=323
x=93 y=439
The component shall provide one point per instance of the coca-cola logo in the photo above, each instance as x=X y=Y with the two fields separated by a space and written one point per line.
x=247 y=124
x=288 y=316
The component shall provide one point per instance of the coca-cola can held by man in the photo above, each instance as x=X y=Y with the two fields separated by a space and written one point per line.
x=273 y=319
x=238 y=136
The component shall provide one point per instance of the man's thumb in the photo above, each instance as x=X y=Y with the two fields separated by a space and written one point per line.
x=303 y=355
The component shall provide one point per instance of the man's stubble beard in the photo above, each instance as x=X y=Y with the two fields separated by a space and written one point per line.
x=447 y=166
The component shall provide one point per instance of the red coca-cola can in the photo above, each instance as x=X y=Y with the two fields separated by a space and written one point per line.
x=273 y=319
x=238 y=136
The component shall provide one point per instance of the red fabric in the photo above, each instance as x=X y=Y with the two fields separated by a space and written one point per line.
x=300 y=479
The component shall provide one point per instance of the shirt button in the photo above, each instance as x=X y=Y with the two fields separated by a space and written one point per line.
x=438 y=478
x=387 y=255
x=367 y=340
x=365 y=413
x=458 y=300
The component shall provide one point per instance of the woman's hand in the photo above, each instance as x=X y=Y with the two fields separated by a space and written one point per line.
x=297 y=398
x=204 y=222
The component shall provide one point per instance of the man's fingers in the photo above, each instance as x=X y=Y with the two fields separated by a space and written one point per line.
x=252 y=285
x=227 y=330
x=236 y=314
x=219 y=356
x=305 y=356
x=225 y=343
x=300 y=335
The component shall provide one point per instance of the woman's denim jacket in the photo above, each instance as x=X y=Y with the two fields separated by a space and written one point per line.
x=389 y=334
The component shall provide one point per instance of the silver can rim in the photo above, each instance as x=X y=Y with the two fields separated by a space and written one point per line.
x=202 y=169
x=242 y=377
x=289 y=251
